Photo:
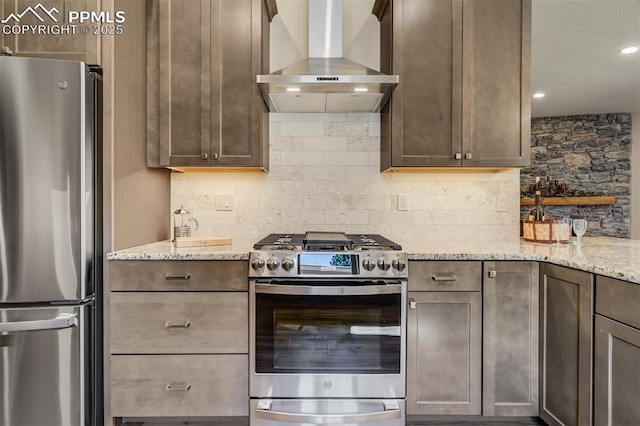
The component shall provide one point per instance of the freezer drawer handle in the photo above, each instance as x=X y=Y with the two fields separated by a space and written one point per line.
x=391 y=412
x=177 y=277
x=185 y=324
x=177 y=387
x=59 y=322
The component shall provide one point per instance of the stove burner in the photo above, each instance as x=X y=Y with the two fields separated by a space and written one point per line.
x=356 y=242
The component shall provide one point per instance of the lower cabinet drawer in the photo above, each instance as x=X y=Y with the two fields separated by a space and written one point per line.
x=179 y=323
x=179 y=385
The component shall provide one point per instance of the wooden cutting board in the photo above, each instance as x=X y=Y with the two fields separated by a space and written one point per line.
x=202 y=241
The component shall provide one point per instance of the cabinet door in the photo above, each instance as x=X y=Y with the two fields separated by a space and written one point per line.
x=239 y=117
x=617 y=373
x=567 y=323
x=70 y=43
x=444 y=340
x=510 y=339
x=421 y=125
x=184 y=32
x=496 y=121
x=206 y=109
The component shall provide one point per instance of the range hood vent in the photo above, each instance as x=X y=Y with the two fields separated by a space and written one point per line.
x=326 y=82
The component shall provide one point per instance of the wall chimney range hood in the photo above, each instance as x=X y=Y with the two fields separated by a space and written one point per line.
x=326 y=82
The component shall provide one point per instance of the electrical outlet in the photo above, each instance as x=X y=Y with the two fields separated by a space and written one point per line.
x=403 y=202
x=224 y=202
x=501 y=203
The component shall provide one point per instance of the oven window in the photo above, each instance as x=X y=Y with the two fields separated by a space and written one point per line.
x=328 y=334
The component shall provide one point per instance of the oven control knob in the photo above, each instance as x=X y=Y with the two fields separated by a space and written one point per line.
x=273 y=263
x=399 y=264
x=368 y=263
x=287 y=264
x=383 y=264
x=257 y=264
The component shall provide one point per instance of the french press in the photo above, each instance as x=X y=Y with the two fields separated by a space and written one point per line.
x=183 y=230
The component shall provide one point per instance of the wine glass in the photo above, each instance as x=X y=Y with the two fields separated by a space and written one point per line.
x=579 y=227
x=561 y=229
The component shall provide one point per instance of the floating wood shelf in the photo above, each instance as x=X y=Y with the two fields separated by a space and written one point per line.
x=571 y=201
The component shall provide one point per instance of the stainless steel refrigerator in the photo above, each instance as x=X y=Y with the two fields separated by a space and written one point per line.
x=50 y=243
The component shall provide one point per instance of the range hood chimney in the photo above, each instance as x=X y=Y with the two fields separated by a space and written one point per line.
x=326 y=82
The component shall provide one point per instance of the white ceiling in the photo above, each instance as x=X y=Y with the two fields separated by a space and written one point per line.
x=575 y=59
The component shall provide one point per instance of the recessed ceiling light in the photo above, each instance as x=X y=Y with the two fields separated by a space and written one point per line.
x=629 y=50
x=293 y=89
x=538 y=95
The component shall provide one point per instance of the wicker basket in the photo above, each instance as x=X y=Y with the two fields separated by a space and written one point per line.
x=542 y=231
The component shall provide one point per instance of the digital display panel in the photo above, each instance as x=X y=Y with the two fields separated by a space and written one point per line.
x=327 y=264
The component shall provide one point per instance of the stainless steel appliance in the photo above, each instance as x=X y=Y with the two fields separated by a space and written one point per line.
x=50 y=243
x=326 y=81
x=327 y=339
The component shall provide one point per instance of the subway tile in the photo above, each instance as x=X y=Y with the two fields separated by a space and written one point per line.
x=346 y=158
x=302 y=158
x=344 y=217
x=302 y=129
x=324 y=117
x=325 y=143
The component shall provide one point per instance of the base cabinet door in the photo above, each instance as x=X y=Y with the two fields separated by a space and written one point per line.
x=566 y=327
x=617 y=373
x=510 y=339
x=444 y=341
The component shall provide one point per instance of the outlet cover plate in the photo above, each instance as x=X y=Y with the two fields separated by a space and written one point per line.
x=224 y=202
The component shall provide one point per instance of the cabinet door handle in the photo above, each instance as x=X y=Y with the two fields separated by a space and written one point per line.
x=413 y=304
x=177 y=387
x=468 y=156
x=443 y=277
x=177 y=277
x=458 y=156
x=185 y=324
x=493 y=274
x=215 y=155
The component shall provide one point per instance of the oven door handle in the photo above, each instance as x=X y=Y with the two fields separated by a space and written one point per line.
x=391 y=412
x=313 y=290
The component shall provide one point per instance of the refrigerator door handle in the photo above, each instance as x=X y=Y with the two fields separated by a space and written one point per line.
x=60 y=322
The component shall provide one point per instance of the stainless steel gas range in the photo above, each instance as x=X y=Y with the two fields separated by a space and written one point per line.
x=327 y=330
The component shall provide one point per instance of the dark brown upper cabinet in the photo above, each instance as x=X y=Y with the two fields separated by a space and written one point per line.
x=463 y=97
x=204 y=108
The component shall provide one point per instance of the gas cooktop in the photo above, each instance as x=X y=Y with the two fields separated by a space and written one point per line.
x=326 y=241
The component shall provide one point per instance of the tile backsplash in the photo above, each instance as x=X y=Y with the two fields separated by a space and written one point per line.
x=325 y=175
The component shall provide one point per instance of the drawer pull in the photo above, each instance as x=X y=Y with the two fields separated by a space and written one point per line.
x=443 y=277
x=185 y=324
x=413 y=304
x=177 y=387
x=177 y=277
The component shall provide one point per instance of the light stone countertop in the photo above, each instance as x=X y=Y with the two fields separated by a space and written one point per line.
x=611 y=257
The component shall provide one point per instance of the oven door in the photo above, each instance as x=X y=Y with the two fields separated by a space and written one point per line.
x=327 y=338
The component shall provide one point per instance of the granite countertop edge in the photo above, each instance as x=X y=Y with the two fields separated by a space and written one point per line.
x=611 y=257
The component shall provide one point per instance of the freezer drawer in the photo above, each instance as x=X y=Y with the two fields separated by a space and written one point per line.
x=45 y=366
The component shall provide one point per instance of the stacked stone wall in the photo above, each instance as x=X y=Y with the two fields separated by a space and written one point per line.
x=589 y=153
